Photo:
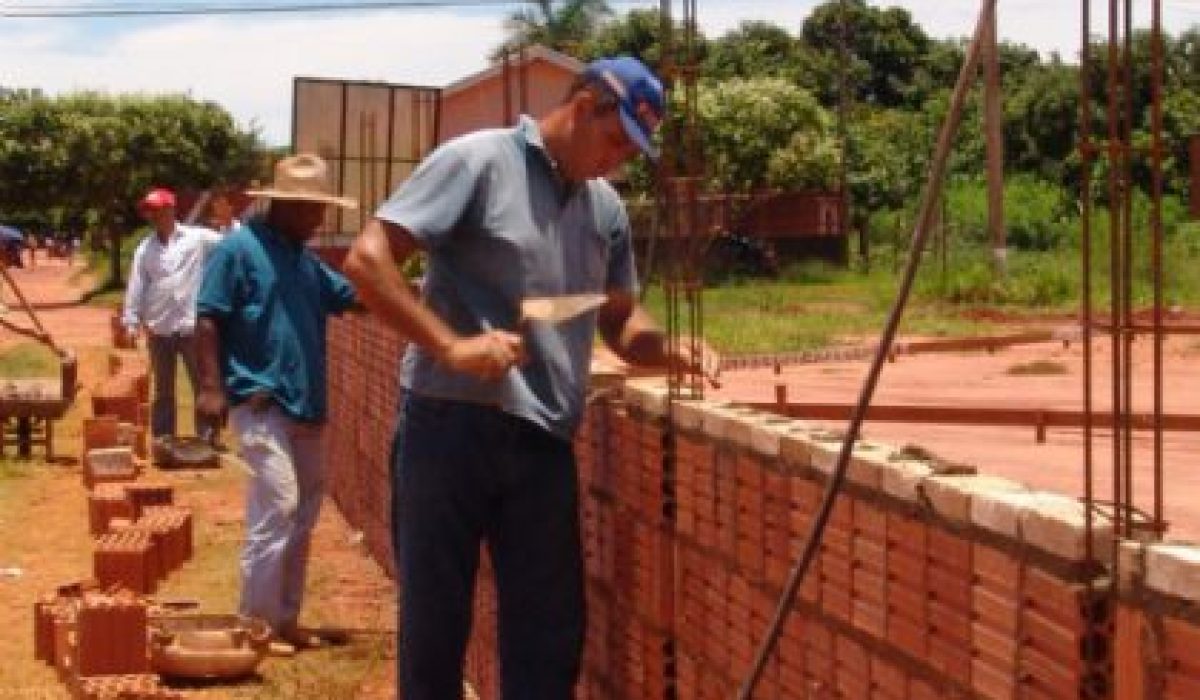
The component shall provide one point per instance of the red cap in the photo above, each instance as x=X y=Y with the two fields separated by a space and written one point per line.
x=158 y=198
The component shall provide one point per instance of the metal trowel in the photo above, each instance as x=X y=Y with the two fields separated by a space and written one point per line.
x=557 y=309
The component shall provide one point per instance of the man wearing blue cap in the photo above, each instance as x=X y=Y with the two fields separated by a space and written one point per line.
x=483 y=450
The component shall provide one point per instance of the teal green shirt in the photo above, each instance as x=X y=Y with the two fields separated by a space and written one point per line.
x=269 y=298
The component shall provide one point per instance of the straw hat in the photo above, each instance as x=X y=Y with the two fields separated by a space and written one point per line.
x=303 y=177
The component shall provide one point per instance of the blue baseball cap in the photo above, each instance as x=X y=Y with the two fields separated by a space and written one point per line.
x=640 y=94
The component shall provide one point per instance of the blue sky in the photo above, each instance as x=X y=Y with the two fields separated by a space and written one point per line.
x=246 y=62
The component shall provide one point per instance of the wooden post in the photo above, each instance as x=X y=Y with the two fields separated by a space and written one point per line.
x=993 y=126
x=1194 y=170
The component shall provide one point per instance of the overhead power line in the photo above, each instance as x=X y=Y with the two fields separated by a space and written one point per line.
x=119 y=9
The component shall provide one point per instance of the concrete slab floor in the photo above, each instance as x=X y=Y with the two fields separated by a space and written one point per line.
x=980 y=379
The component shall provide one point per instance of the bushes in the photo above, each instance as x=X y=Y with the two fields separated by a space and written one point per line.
x=1034 y=279
x=1037 y=215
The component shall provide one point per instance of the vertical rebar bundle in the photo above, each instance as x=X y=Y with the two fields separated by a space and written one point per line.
x=1127 y=239
x=682 y=206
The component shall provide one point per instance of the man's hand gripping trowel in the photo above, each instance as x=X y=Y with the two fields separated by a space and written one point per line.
x=557 y=309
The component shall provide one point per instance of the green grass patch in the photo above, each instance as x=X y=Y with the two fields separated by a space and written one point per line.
x=11 y=469
x=28 y=361
x=812 y=306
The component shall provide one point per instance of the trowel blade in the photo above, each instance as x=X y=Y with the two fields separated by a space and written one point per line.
x=559 y=308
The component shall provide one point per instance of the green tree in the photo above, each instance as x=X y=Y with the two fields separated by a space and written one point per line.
x=107 y=150
x=637 y=33
x=764 y=132
x=885 y=48
x=1041 y=108
x=755 y=49
x=891 y=150
x=563 y=26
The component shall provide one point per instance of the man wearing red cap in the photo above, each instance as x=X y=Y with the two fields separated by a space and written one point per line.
x=161 y=297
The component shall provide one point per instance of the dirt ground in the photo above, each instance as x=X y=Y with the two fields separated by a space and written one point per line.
x=43 y=515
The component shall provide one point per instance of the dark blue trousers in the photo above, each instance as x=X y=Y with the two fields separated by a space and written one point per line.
x=465 y=474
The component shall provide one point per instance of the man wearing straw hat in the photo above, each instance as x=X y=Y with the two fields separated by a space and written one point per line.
x=263 y=306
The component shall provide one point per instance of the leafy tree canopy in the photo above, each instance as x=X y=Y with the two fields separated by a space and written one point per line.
x=85 y=158
x=760 y=132
x=563 y=26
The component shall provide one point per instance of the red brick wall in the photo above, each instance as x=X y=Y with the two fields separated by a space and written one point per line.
x=929 y=594
x=364 y=357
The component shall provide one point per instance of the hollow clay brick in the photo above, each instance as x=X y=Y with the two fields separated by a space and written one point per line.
x=111 y=635
x=1000 y=512
x=868 y=461
x=1174 y=569
x=902 y=478
x=108 y=464
x=100 y=431
x=1056 y=524
x=688 y=414
x=951 y=495
x=649 y=395
x=1129 y=653
x=766 y=433
x=795 y=449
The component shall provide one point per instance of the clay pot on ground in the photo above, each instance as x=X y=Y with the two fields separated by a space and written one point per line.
x=207 y=647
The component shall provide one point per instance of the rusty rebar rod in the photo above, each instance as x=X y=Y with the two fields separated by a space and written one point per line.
x=1156 y=233
x=1085 y=222
x=1114 y=243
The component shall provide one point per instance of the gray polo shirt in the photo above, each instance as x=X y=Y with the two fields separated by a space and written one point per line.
x=499 y=225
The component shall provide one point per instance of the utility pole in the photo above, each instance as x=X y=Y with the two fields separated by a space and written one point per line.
x=843 y=111
x=993 y=127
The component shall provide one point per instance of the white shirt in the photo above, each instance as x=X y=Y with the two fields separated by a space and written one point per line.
x=164 y=280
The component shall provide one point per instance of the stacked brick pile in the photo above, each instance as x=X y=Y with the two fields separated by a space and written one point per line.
x=127 y=559
x=96 y=640
x=95 y=633
x=104 y=465
x=107 y=502
x=120 y=403
x=131 y=550
x=140 y=554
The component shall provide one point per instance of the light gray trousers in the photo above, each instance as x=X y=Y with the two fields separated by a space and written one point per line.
x=283 y=500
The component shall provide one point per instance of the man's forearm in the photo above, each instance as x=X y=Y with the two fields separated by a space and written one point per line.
x=133 y=293
x=208 y=342
x=640 y=341
x=129 y=310
x=382 y=289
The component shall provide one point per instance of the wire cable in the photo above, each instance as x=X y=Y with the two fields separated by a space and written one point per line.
x=119 y=9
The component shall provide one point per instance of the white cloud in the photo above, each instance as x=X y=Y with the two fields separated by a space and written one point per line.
x=247 y=63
